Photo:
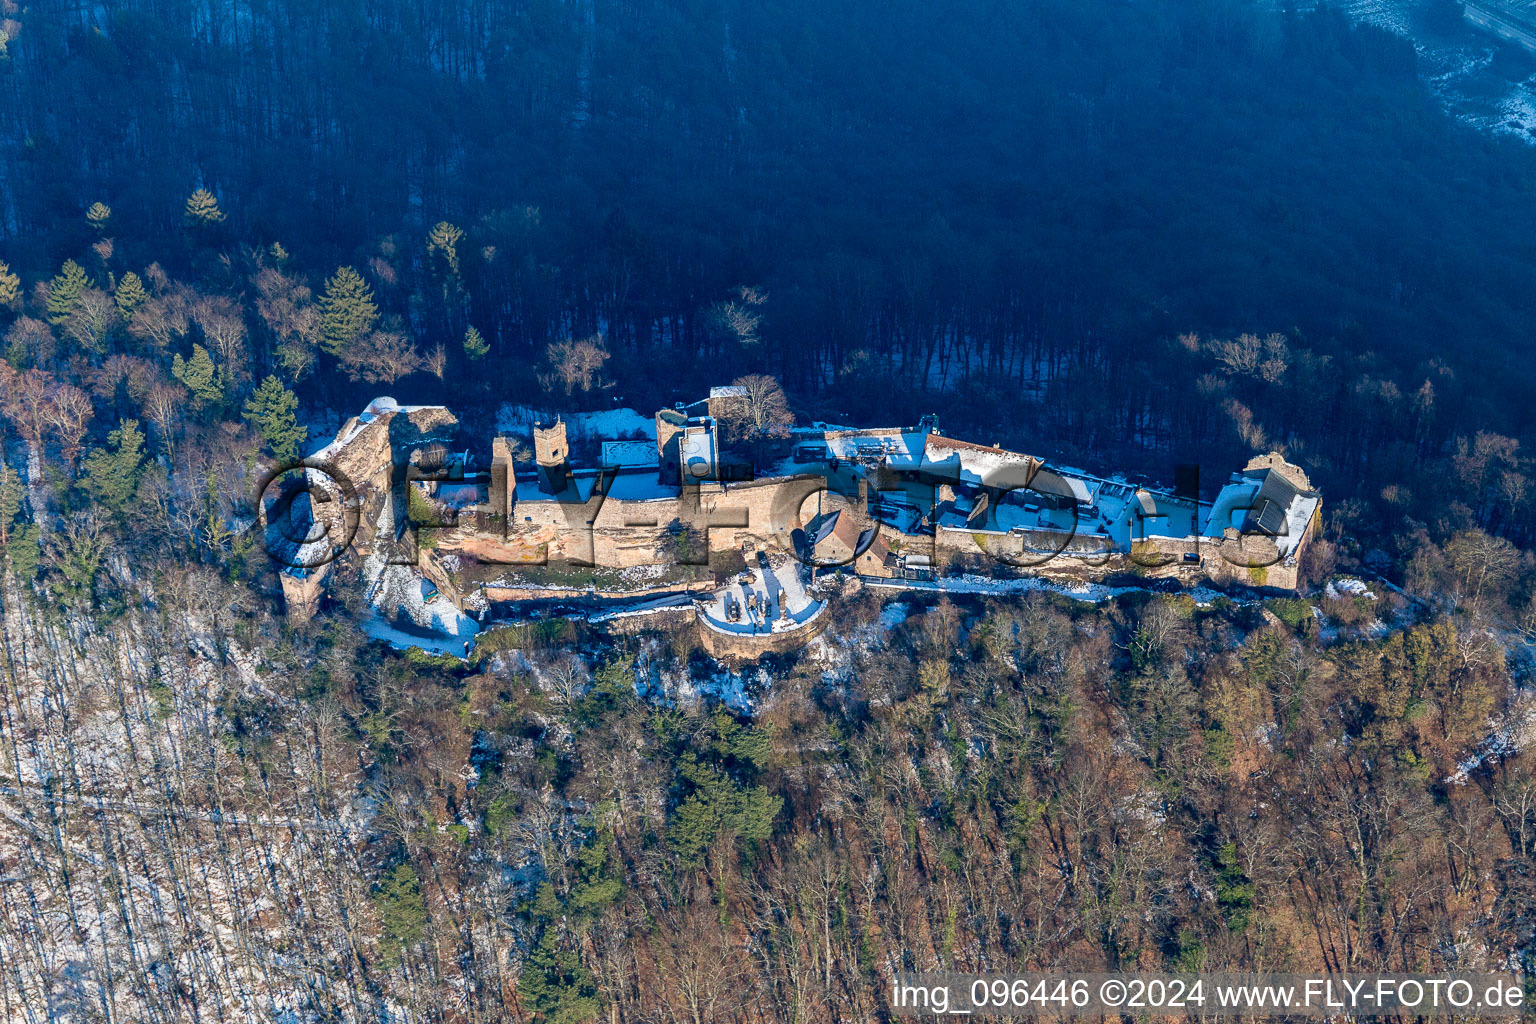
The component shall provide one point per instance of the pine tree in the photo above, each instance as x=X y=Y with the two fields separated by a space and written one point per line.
x=556 y=985
x=279 y=254
x=272 y=407
x=10 y=500
x=443 y=242
x=112 y=477
x=202 y=210
x=24 y=550
x=131 y=295
x=10 y=285
x=201 y=377
x=475 y=345
x=401 y=910
x=99 y=216
x=347 y=310
x=64 y=291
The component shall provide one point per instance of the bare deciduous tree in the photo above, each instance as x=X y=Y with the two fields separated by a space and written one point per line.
x=437 y=361
x=287 y=308
x=161 y=322
x=764 y=411
x=29 y=342
x=381 y=357
x=69 y=414
x=576 y=365
x=24 y=398
x=163 y=407
x=223 y=326
x=94 y=318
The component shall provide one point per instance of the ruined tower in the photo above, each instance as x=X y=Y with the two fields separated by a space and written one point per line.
x=670 y=424
x=503 y=479
x=551 y=456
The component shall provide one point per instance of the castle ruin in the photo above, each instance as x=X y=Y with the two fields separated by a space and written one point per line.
x=894 y=504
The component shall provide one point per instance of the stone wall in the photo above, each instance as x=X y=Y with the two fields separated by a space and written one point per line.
x=750 y=646
x=367 y=460
x=623 y=533
x=502 y=595
x=1494 y=17
x=302 y=594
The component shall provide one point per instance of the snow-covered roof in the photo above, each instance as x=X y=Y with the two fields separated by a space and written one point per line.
x=1263 y=503
x=899 y=449
x=977 y=465
x=384 y=405
x=623 y=485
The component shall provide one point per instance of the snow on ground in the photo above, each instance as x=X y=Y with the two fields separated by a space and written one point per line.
x=1348 y=585
x=606 y=424
x=406 y=610
x=1387 y=14
x=731 y=687
x=1512 y=732
x=1479 y=80
x=458 y=645
x=672 y=686
x=1077 y=590
x=777 y=584
x=381 y=406
x=835 y=651
x=648 y=606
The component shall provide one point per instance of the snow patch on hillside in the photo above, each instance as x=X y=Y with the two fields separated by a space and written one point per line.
x=1458 y=64
x=406 y=610
x=1513 y=732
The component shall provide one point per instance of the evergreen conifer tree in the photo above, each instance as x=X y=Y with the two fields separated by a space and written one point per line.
x=443 y=243
x=10 y=285
x=347 y=310
x=475 y=345
x=112 y=476
x=401 y=909
x=10 y=501
x=131 y=295
x=202 y=210
x=200 y=375
x=64 y=291
x=99 y=216
x=271 y=408
x=557 y=986
x=24 y=550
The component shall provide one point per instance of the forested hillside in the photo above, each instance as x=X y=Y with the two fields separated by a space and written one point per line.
x=929 y=197
x=1123 y=235
x=215 y=824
